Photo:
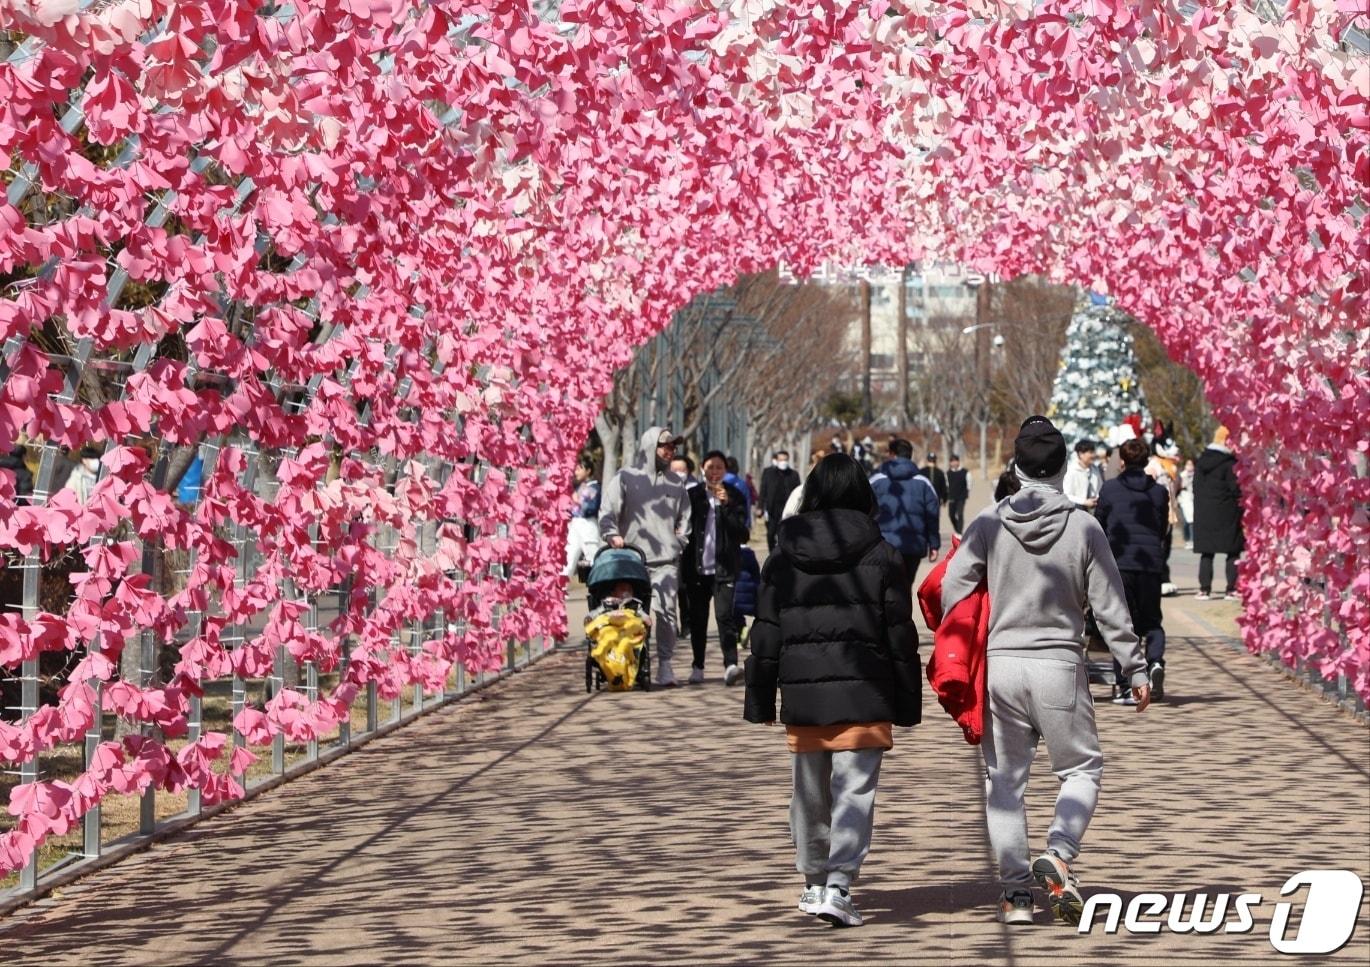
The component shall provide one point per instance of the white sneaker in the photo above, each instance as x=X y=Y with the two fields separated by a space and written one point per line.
x=665 y=676
x=731 y=676
x=1168 y=590
x=1016 y=907
x=696 y=676
x=837 y=908
x=811 y=900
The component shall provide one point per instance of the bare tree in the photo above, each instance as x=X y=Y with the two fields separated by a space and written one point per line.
x=771 y=350
x=1031 y=315
x=802 y=361
x=615 y=422
x=946 y=389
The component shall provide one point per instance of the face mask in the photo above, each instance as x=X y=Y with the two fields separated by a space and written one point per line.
x=93 y=466
x=782 y=464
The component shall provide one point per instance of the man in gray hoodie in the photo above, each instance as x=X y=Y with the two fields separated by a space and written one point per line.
x=1043 y=560
x=645 y=505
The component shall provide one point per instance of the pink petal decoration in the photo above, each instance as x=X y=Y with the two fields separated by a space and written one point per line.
x=383 y=237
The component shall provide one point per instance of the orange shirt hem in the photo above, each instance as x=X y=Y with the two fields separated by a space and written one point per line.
x=848 y=737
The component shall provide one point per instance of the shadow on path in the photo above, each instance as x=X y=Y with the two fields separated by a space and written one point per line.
x=534 y=824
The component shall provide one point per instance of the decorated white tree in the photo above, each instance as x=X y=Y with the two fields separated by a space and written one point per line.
x=1096 y=387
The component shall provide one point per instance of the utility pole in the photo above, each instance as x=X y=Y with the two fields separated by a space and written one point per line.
x=982 y=367
x=867 y=408
x=903 y=347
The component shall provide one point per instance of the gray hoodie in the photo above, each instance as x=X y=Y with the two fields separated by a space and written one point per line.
x=1045 y=560
x=647 y=507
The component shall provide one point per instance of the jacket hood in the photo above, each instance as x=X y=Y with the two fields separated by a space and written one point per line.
x=828 y=540
x=900 y=468
x=1212 y=458
x=1136 y=479
x=1036 y=516
x=646 y=449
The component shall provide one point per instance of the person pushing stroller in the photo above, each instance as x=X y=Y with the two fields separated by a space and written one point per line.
x=646 y=506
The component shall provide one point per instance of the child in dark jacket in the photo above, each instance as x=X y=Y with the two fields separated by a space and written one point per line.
x=834 y=631
x=1134 y=511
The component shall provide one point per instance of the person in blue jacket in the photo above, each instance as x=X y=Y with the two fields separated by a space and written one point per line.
x=909 y=507
x=192 y=481
x=746 y=589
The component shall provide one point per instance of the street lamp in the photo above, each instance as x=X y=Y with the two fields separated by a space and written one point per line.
x=998 y=337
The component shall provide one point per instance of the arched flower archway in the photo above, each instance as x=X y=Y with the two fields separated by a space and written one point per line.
x=390 y=253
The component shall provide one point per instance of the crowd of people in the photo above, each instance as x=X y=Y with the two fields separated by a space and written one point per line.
x=1064 y=551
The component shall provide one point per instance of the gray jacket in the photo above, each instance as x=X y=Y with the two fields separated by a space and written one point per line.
x=646 y=507
x=1045 y=560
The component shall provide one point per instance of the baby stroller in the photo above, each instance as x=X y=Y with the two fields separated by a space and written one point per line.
x=618 y=627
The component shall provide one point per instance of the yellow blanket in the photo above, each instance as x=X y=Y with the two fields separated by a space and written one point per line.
x=616 y=637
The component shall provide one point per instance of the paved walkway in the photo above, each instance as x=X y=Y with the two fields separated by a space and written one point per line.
x=534 y=824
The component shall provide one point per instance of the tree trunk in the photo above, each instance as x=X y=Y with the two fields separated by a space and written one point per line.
x=628 y=442
x=984 y=457
x=181 y=459
x=609 y=435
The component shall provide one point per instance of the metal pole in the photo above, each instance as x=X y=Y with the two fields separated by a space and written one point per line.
x=867 y=407
x=902 y=351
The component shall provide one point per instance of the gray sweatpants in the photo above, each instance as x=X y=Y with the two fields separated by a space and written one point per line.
x=832 y=812
x=665 y=608
x=1032 y=699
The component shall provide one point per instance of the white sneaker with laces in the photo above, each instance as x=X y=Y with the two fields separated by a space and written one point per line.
x=731 y=676
x=665 y=676
x=811 y=899
x=837 y=908
x=696 y=676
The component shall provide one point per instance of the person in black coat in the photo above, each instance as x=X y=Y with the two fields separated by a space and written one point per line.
x=1134 y=511
x=710 y=565
x=958 y=492
x=936 y=477
x=1217 y=514
x=23 y=478
x=777 y=481
x=834 y=632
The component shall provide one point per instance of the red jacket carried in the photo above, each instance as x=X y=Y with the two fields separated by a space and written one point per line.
x=956 y=669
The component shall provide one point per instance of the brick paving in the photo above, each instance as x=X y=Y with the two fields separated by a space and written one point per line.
x=536 y=824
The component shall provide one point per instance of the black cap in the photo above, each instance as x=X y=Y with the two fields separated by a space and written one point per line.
x=1040 y=450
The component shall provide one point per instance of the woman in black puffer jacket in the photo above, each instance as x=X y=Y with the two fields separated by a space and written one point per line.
x=834 y=631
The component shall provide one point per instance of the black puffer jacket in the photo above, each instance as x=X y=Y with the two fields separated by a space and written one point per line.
x=1134 y=511
x=834 y=627
x=1217 y=504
